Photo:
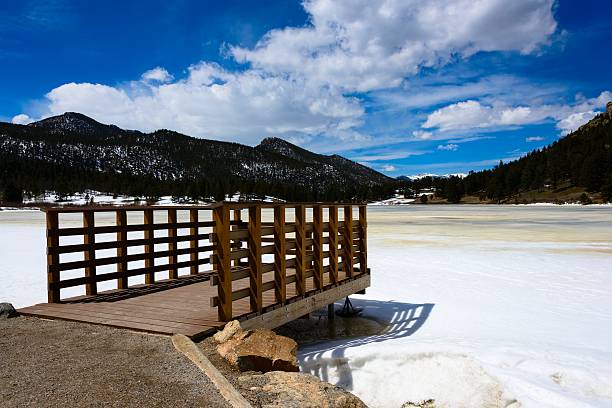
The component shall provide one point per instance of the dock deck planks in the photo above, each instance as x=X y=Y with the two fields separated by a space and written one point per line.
x=177 y=308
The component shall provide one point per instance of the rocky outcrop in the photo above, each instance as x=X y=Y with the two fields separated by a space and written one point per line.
x=298 y=390
x=257 y=350
x=7 y=310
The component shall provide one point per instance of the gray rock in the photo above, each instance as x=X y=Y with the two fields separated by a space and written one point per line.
x=7 y=310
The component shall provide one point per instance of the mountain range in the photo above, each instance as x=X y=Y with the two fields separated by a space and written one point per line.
x=72 y=152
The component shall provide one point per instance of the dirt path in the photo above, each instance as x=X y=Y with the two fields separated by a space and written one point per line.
x=64 y=364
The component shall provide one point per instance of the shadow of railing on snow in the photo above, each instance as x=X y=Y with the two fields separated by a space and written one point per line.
x=401 y=320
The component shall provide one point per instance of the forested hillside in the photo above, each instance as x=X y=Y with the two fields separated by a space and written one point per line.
x=72 y=153
x=580 y=159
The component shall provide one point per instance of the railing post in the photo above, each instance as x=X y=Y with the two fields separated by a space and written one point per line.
x=149 y=247
x=172 y=245
x=317 y=211
x=333 y=244
x=300 y=250
x=53 y=276
x=237 y=217
x=347 y=242
x=254 y=245
x=121 y=222
x=280 y=271
x=89 y=239
x=193 y=243
x=223 y=262
x=363 y=239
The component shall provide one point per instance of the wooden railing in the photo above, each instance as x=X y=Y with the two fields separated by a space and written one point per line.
x=247 y=250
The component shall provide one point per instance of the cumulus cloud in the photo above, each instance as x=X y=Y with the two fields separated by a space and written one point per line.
x=300 y=82
x=451 y=147
x=373 y=44
x=21 y=119
x=157 y=74
x=388 y=167
x=472 y=114
x=212 y=102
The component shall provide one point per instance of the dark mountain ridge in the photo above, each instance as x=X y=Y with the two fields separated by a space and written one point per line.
x=72 y=152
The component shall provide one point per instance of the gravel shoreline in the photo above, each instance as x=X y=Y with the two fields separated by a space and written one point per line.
x=52 y=363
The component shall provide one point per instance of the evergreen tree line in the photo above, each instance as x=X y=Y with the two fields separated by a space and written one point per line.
x=583 y=159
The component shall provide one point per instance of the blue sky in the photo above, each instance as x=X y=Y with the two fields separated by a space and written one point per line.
x=438 y=86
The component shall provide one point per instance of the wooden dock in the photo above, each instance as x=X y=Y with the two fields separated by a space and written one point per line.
x=312 y=264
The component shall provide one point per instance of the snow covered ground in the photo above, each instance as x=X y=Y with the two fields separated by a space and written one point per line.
x=488 y=306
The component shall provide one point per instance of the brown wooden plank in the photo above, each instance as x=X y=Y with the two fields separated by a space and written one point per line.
x=193 y=244
x=53 y=275
x=318 y=246
x=254 y=246
x=300 y=249
x=333 y=243
x=89 y=255
x=122 y=265
x=347 y=243
x=223 y=262
x=280 y=265
x=172 y=245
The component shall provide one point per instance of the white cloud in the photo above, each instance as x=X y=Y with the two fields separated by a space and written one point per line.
x=215 y=103
x=389 y=167
x=157 y=74
x=534 y=139
x=21 y=119
x=299 y=82
x=422 y=135
x=373 y=44
x=450 y=147
x=472 y=114
x=392 y=155
x=574 y=121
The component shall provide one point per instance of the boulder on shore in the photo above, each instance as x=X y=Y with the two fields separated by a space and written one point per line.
x=7 y=310
x=259 y=350
x=298 y=390
x=228 y=331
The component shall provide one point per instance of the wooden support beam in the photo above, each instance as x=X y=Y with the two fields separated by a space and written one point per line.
x=223 y=262
x=280 y=268
x=363 y=239
x=89 y=255
x=122 y=265
x=318 y=246
x=193 y=217
x=172 y=245
x=53 y=275
x=347 y=243
x=333 y=244
x=254 y=245
x=300 y=250
x=294 y=310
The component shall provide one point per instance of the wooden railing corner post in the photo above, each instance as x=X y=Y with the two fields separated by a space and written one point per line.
x=53 y=275
x=149 y=246
x=223 y=261
x=122 y=265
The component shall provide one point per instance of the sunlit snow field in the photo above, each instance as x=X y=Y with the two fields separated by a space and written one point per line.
x=489 y=306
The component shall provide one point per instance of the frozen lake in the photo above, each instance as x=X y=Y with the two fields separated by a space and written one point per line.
x=490 y=305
